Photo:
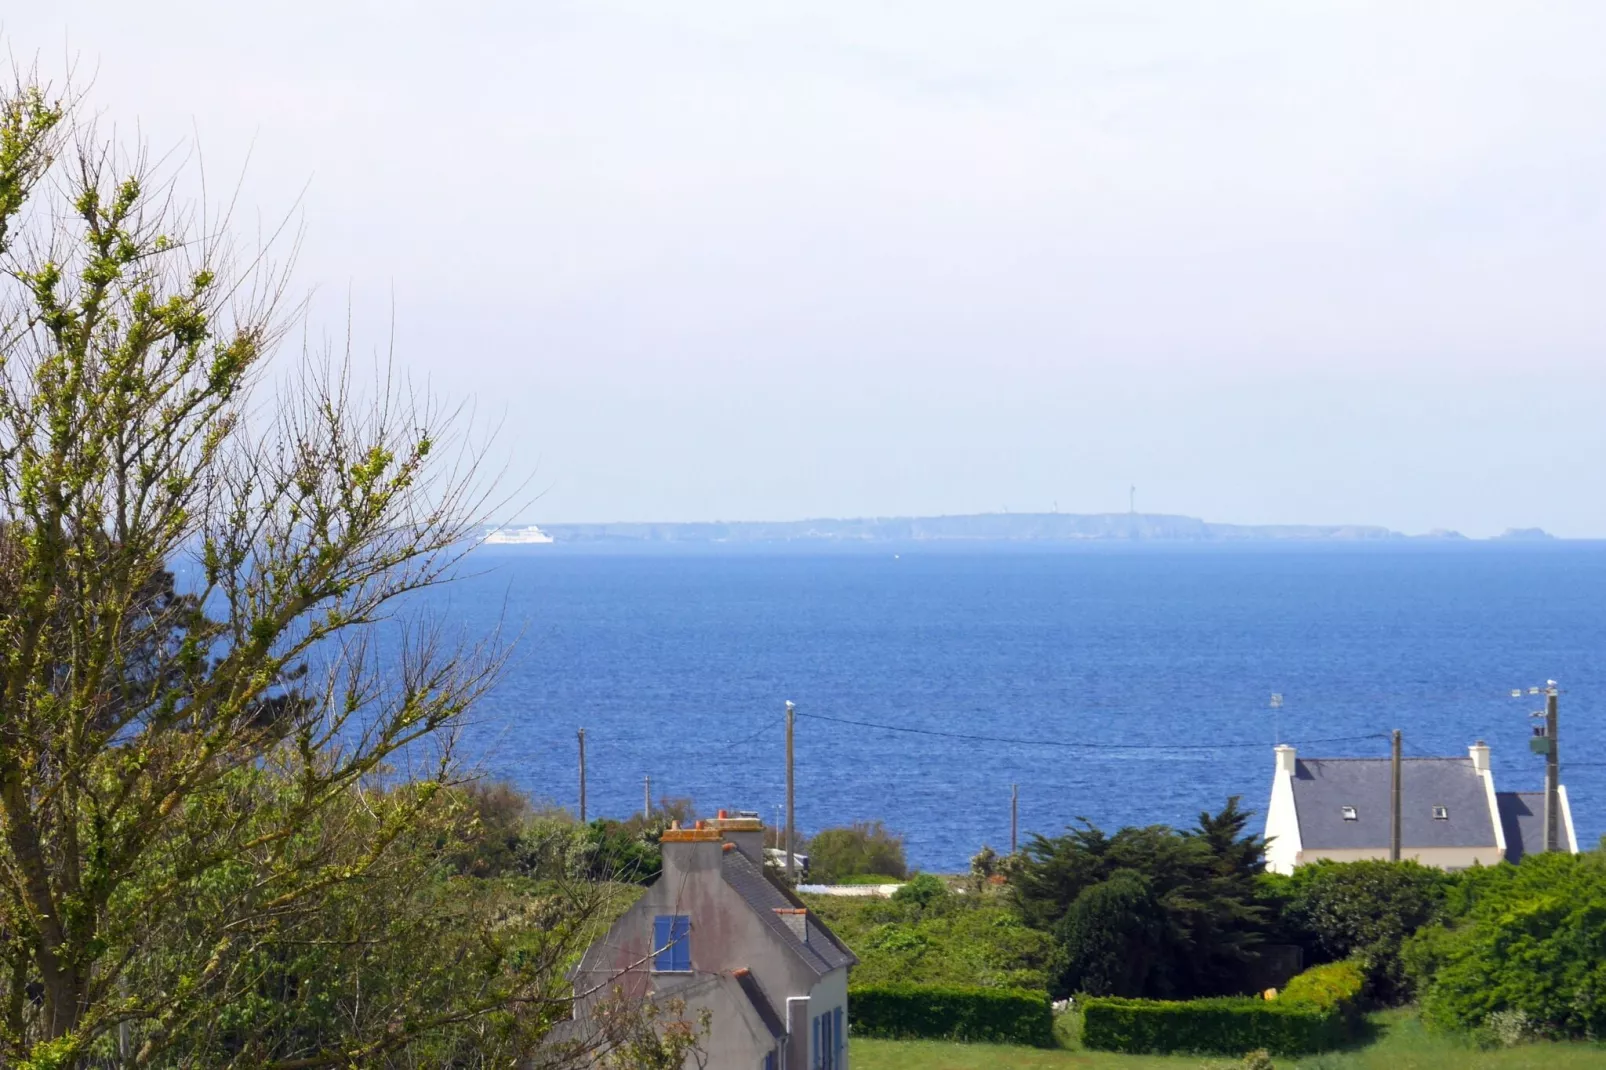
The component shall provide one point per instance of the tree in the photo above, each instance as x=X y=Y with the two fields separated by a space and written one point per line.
x=1203 y=882
x=1364 y=909
x=1112 y=938
x=865 y=848
x=198 y=820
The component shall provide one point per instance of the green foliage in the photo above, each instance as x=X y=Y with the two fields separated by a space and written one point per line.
x=923 y=890
x=951 y=1012
x=952 y=939
x=1532 y=940
x=1364 y=910
x=1190 y=900
x=1219 y=1026
x=1112 y=938
x=1333 y=986
x=865 y=847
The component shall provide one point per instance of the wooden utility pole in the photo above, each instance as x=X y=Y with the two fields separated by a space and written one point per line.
x=1014 y=816
x=791 y=801
x=582 y=735
x=1394 y=800
x=1552 y=772
x=646 y=796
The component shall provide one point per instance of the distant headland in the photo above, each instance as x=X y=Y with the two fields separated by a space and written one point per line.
x=996 y=527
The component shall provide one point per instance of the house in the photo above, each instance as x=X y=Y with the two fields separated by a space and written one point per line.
x=718 y=931
x=1450 y=814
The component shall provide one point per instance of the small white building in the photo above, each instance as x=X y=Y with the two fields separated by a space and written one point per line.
x=1450 y=814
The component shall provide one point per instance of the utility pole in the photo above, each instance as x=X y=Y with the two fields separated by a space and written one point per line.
x=582 y=735
x=1394 y=800
x=791 y=800
x=1014 y=816
x=1552 y=772
x=646 y=797
x=1545 y=742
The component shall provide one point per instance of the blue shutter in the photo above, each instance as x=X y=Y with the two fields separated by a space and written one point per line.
x=840 y=1036
x=680 y=933
x=662 y=954
x=818 y=1064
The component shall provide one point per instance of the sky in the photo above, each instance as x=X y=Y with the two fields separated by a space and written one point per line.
x=1267 y=262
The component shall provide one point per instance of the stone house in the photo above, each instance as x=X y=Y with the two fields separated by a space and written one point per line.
x=718 y=931
x=1451 y=816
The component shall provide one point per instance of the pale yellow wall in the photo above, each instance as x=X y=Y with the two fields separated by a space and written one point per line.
x=1440 y=857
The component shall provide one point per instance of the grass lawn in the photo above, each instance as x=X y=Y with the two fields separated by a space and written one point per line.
x=1402 y=1044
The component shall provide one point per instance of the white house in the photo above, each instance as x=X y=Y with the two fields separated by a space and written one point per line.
x=1450 y=814
x=720 y=932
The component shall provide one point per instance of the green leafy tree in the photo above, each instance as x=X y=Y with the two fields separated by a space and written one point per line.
x=203 y=858
x=1204 y=883
x=865 y=848
x=1112 y=938
x=1531 y=948
x=1365 y=910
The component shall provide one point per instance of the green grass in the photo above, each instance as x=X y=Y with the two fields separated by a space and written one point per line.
x=1401 y=1044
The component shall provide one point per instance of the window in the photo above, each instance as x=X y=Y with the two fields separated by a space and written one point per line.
x=1349 y=814
x=768 y=1062
x=1441 y=813
x=671 y=943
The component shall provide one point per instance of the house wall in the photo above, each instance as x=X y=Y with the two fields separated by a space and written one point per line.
x=829 y=993
x=726 y=935
x=1282 y=826
x=1441 y=857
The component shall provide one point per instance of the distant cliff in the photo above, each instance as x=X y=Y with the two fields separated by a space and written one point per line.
x=984 y=527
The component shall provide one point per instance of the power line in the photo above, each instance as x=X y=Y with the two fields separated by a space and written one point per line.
x=1077 y=745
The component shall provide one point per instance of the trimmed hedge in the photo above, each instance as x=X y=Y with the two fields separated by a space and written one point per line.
x=1223 y=1026
x=1336 y=986
x=952 y=1012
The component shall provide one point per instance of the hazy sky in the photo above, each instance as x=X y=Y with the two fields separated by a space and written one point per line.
x=1267 y=261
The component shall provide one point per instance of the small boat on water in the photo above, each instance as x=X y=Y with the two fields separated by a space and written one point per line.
x=525 y=536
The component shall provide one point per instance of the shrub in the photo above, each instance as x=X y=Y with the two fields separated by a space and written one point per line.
x=1534 y=941
x=1220 y=1026
x=923 y=890
x=865 y=847
x=1366 y=910
x=1336 y=986
x=952 y=1012
x=1111 y=938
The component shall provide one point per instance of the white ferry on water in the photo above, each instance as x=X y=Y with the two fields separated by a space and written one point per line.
x=525 y=536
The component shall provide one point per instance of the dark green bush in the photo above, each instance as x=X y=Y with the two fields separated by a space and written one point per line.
x=923 y=890
x=1221 y=1026
x=952 y=1012
x=1365 y=910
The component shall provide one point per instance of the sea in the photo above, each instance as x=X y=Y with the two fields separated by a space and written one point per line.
x=1111 y=683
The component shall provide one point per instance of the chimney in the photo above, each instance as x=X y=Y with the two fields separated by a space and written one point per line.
x=689 y=851
x=744 y=830
x=1479 y=752
x=797 y=919
x=1285 y=760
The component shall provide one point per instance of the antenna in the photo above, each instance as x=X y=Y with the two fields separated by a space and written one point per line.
x=1277 y=715
x=1545 y=742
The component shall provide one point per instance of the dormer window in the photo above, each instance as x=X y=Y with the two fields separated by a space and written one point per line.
x=1349 y=813
x=1441 y=813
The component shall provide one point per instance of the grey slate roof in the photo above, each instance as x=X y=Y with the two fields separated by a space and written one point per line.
x=761 y=1004
x=822 y=953
x=1324 y=786
x=1522 y=819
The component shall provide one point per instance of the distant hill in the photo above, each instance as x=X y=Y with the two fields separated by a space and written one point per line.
x=1525 y=535
x=982 y=527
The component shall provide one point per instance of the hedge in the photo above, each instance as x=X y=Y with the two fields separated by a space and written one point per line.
x=1223 y=1026
x=952 y=1012
x=1336 y=986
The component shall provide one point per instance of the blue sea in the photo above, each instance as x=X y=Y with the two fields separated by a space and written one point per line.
x=1121 y=684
